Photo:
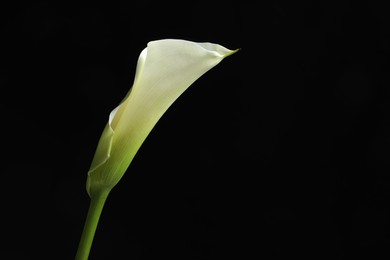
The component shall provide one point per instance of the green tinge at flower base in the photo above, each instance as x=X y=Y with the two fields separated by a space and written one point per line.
x=165 y=69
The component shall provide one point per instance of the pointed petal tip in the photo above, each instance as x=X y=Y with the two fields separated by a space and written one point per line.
x=231 y=52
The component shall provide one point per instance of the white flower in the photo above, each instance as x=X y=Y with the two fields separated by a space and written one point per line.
x=165 y=69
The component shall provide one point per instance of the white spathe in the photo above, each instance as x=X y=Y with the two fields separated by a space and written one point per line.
x=165 y=69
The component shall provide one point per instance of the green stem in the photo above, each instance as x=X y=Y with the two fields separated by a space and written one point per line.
x=91 y=222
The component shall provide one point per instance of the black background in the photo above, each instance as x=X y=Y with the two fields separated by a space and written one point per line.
x=280 y=151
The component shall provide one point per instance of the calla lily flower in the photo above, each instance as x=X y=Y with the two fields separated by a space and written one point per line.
x=165 y=69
